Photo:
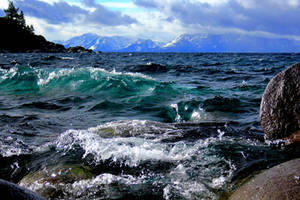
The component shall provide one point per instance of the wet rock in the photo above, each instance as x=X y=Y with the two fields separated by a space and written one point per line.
x=294 y=138
x=51 y=181
x=150 y=67
x=14 y=192
x=279 y=182
x=130 y=128
x=219 y=103
x=280 y=105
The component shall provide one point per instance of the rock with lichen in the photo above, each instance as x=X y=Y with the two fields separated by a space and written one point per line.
x=51 y=182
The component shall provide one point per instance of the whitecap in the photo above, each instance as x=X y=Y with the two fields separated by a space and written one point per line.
x=13 y=146
x=67 y=58
x=131 y=142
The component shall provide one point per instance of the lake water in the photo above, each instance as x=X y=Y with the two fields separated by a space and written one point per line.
x=146 y=125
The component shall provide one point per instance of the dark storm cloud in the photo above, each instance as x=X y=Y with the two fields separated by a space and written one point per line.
x=279 y=17
x=62 y=12
x=57 y=13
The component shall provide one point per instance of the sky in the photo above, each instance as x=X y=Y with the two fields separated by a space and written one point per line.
x=160 y=20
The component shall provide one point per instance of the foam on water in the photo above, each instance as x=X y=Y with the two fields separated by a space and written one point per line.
x=103 y=186
x=129 y=144
x=13 y=146
x=196 y=114
x=134 y=141
x=130 y=151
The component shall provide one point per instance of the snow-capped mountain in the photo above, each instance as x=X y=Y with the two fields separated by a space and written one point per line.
x=230 y=43
x=142 y=45
x=186 y=43
x=98 y=43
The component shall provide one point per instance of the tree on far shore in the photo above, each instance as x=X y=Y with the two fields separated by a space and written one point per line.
x=12 y=13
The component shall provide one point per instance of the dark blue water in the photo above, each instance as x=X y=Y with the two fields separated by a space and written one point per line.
x=145 y=125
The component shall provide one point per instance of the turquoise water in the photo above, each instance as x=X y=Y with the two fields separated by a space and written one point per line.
x=148 y=125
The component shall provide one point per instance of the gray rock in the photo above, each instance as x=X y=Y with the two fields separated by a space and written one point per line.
x=280 y=105
x=279 y=182
x=11 y=191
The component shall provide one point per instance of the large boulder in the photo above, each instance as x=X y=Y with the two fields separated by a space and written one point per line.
x=279 y=182
x=280 y=105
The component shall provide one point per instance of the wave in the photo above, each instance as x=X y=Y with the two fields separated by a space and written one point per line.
x=134 y=141
x=93 y=80
x=96 y=90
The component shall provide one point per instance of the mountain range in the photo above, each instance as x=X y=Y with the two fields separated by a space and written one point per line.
x=185 y=43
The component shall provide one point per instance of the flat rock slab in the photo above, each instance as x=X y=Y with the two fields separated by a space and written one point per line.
x=280 y=105
x=280 y=182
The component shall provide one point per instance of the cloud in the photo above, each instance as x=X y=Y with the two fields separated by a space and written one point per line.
x=3 y=5
x=62 y=12
x=273 y=16
x=146 y=3
x=109 y=17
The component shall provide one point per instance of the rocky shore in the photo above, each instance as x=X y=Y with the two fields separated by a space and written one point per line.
x=280 y=120
x=278 y=182
x=16 y=39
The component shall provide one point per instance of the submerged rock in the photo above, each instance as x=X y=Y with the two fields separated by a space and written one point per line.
x=51 y=181
x=280 y=105
x=15 y=192
x=279 y=182
x=219 y=103
x=150 y=67
x=133 y=128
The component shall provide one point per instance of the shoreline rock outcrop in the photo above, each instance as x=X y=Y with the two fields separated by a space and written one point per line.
x=15 y=39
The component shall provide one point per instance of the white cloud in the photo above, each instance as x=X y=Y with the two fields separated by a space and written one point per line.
x=51 y=1
x=156 y=26
x=54 y=24
x=293 y=3
x=161 y=20
x=63 y=12
x=119 y=5
x=268 y=16
x=212 y=2
x=3 y=4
